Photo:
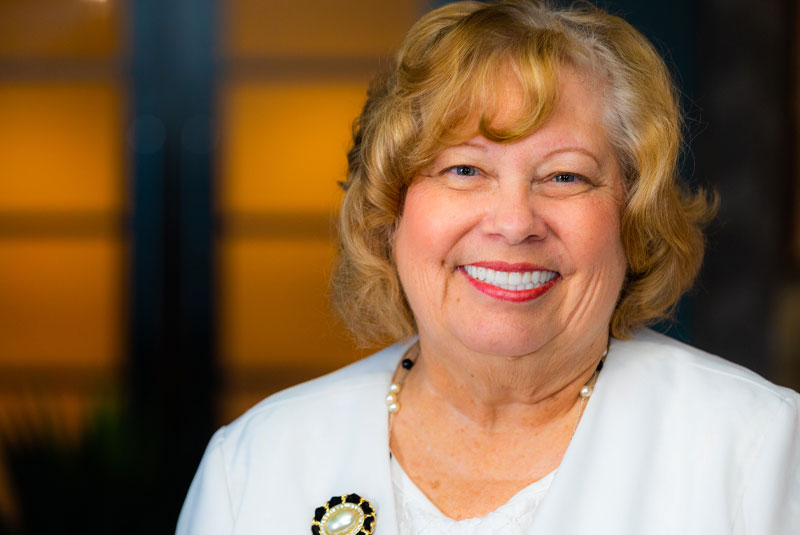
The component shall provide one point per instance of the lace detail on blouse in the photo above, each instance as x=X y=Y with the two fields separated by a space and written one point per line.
x=416 y=515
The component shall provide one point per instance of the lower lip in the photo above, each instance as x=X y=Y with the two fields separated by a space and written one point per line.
x=514 y=296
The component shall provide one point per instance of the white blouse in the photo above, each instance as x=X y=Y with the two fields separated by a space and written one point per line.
x=416 y=515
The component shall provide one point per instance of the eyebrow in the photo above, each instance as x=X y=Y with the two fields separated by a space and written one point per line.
x=470 y=143
x=560 y=150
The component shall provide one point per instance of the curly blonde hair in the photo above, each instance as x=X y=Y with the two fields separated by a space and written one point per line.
x=442 y=84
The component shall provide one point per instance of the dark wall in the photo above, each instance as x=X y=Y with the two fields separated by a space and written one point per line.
x=733 y=62
x=745 y=93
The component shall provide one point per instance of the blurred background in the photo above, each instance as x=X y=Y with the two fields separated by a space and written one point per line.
x=168 y=180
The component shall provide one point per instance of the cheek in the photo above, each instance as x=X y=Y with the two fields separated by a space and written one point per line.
x=412 y=242
x=416 y=245
x=606 y=245
x=426 y=244
x=592 y=235
x=429 y=228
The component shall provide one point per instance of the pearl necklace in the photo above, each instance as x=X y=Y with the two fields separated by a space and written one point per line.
x=412 y=354
x=392 y=397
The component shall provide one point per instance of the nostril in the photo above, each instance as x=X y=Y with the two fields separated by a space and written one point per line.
x=515 y=223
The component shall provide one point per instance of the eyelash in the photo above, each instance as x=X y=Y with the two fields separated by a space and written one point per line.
x=455 y=170
x=576 y=177
x=474 y=171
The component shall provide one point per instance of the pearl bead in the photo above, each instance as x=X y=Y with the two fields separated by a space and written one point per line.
x=343 y=522
x=394 y=388
x=391 y=398
x=586 y=391
x=393 y=407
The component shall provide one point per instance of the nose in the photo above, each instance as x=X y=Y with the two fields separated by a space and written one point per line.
x=513 y=216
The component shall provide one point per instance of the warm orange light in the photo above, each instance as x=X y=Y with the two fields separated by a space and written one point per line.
x=317 y=27
x=285 y=145
x=275 y=309
x=60 y=303
x=61 y=147
x=60 y=29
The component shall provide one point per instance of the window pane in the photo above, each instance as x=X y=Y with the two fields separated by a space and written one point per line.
x=317 y=27
x=285 y=145
x=60 y=147
x=58 y=28
x=275 y=308
x=60 y=302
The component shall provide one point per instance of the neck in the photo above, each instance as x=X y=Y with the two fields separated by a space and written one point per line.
x=499 y=393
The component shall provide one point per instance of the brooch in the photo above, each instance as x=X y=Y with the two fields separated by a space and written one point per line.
x=344 y=515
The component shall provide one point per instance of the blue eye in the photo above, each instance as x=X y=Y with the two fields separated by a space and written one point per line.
x=464 y=170
x=566 y=178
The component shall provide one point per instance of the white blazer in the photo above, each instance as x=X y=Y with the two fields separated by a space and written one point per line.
x=673 y=441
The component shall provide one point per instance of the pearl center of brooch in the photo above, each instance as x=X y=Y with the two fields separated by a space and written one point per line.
x=344 y=519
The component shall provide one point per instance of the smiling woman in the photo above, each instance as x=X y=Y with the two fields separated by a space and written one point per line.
x=512 y=220
x=515 y=213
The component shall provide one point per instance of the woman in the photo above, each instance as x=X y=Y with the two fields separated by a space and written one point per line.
x=512 y=216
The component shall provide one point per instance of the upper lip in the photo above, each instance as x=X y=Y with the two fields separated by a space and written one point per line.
x=509 y=267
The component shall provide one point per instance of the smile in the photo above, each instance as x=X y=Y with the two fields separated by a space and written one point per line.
x=515 y=283
x=510 y=280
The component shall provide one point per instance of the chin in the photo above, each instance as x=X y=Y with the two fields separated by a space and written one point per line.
x=500 y=343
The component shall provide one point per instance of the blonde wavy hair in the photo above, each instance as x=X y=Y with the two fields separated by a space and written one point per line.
x=440 y=90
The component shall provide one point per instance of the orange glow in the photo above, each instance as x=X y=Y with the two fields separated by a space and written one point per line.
x=275 y=308
x=317 y=27
x=58 y=28
x=60 y=303
x=60 y=147
x=285 y=145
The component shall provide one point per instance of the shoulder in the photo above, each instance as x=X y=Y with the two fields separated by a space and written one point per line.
x=307 y=442
x=729 y=426
x=685 y=395
x=670 y=366
x=315 y=400
x=712 y=436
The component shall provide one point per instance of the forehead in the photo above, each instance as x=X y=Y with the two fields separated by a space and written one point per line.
x=580 y=110
x=511 y=97
x=577 y=115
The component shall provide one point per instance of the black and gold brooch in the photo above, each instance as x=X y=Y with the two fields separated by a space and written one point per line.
x=344 y=515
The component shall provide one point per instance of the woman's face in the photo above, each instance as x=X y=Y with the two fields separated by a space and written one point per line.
x=505 y=248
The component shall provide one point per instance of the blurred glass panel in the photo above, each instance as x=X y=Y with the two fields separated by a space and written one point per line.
x=60 y=303
x=317 y=27
x=59 y=28
x=274 y=307
x=285 y=145
x=60 y=147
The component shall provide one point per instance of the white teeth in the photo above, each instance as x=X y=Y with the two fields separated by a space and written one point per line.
x=510 y=280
